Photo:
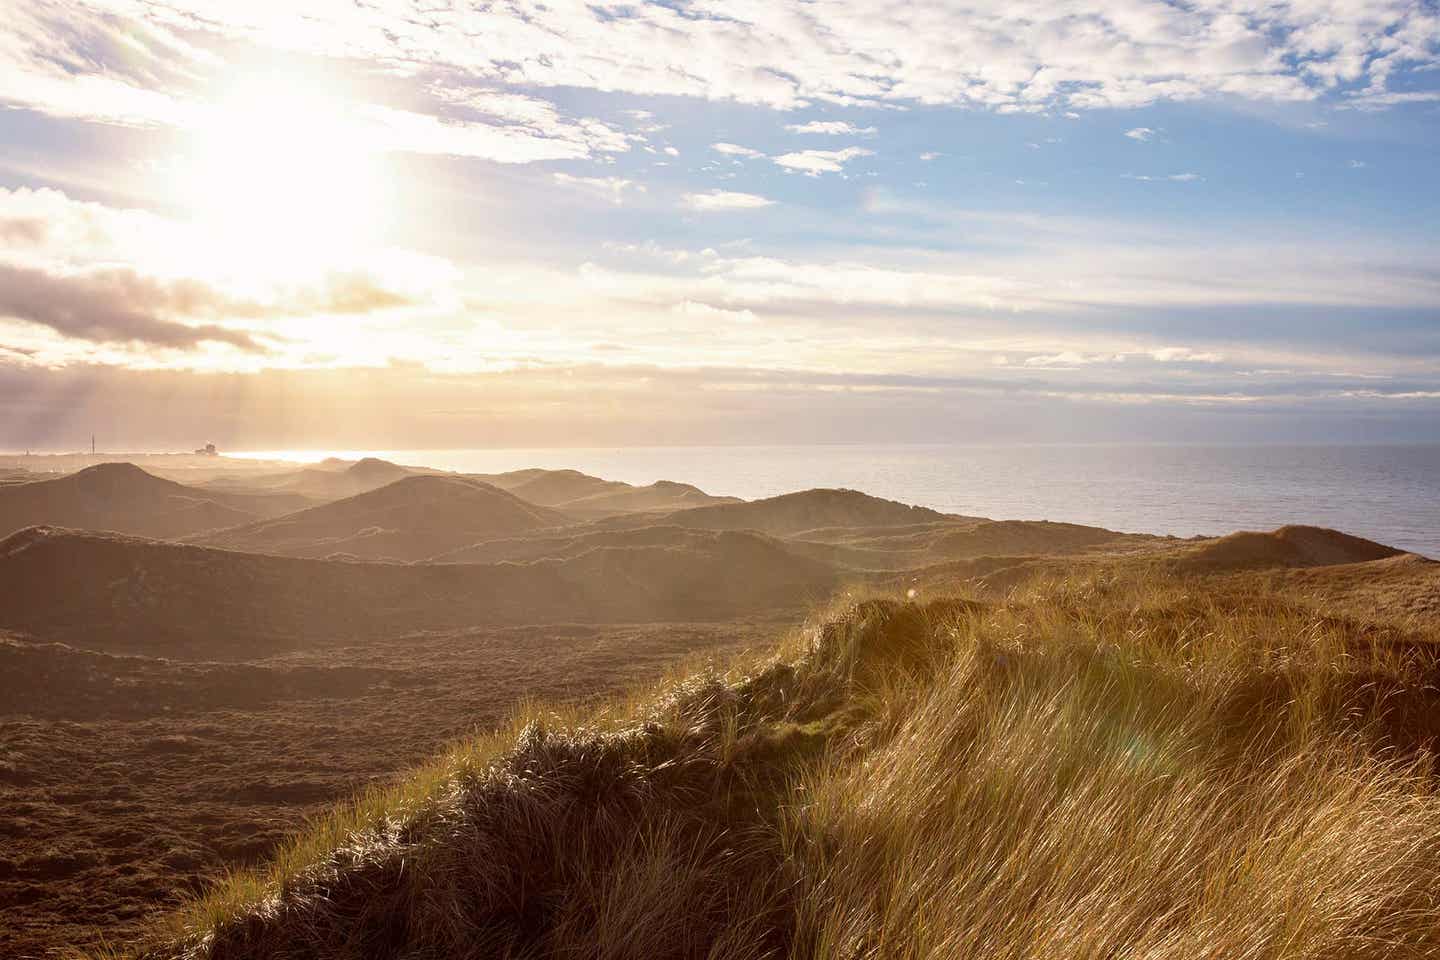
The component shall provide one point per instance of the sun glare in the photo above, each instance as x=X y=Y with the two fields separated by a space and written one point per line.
x=277 y=174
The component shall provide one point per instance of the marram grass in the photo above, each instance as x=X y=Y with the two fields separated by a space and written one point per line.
x=1110 y=768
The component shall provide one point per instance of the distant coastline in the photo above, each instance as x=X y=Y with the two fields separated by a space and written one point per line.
x=1385 y=492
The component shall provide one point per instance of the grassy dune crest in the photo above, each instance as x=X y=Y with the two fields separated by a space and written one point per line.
x=1133 y=767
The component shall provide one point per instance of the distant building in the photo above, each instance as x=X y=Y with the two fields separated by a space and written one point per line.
x=208 y=451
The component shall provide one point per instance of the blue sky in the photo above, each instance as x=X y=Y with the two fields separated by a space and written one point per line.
x=566 y=223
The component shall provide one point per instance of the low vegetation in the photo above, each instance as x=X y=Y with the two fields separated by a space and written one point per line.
x=1114 y=766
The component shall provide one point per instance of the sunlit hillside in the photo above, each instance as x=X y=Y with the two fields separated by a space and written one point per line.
x=1113 y=765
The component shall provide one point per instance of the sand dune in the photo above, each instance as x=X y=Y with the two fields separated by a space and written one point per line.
x=660 y=495
x=329 y=479
x=127 y=594
x=588 y=497
x=550 y=487
x=1291 y=546
x=411 y=519
x=121 y=497
x=796 y=513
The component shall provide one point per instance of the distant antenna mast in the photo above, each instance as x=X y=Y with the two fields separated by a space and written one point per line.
x=92 y=444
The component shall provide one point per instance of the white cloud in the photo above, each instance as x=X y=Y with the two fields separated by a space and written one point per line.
x=1165 y=178
x=1142 y=134
x=1185 y=355
x=725 y=200
x=1367 y=100
x=671 y=151
x=410 y=131
x=834 y=128
x=610 y=188
x=1075 y=359
x=735 y=150
x=815 y=162
x=1069 y=359
x=128 y=62
x=1358 y=164
x=929 y=155
x=697 y=310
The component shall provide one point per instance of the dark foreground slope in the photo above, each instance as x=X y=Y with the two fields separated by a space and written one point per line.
x=121 y=497
x=410 y=519
x=126 y=781
x=122 y=593
x=1099 y=768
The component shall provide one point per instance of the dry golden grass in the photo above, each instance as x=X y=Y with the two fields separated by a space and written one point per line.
x=1135 y=767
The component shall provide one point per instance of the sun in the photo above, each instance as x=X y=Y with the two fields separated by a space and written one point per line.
x=276 y=173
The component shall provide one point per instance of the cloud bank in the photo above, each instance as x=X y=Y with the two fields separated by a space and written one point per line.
x=122 y=61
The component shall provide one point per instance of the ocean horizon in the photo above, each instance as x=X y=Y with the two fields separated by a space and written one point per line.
x=1389 y=493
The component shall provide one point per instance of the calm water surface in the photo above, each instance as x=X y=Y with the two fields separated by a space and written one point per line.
x=1386 y=493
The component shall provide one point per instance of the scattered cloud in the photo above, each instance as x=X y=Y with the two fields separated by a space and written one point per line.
x=1142 y=134
x=1185 y=355
x=735 y=150
x=1070 y=359
x=696 y=310
x=725 y=200
x=612 y=189
x=815 y=162
x=411 y=131
x=1165 y=178
x=1371 y=100
x=929 y=155
x=833 y=128
x=1358 y=164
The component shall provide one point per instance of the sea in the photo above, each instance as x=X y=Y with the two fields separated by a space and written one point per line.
x=1387 y=493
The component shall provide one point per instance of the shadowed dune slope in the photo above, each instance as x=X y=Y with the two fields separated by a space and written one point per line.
x=564 y=544
x=1292 y=546
x=125 y=499
x=411 y=519
x=861 y=548
x=126 y=594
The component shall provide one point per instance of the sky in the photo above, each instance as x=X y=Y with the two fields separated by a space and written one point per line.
x=394 y=224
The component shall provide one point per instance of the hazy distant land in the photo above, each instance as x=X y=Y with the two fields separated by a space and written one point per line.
x=198 y=653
